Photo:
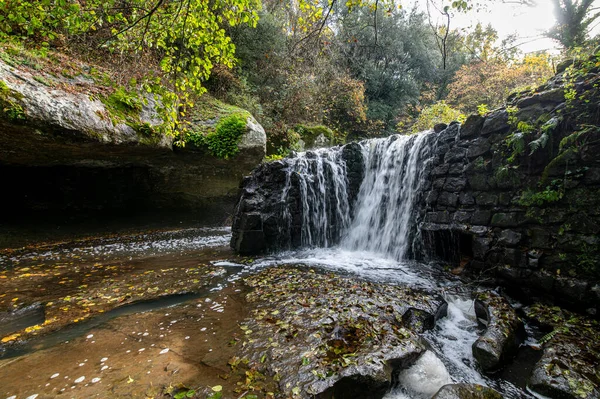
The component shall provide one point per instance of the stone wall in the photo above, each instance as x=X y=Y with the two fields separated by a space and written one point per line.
x=532 y=221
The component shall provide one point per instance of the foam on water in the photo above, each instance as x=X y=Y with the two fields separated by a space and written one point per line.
x=422 y=380
x=365 y=264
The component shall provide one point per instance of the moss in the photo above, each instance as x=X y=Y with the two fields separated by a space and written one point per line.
x=309 y=134
x=9 y=104
x=563 y=158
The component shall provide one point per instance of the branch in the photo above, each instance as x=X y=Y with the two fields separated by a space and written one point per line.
x=133 y=25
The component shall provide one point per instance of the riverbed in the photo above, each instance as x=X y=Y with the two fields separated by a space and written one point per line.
x=154 y=314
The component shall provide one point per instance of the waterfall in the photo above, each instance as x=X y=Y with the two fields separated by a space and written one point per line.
x=384 y=210
x=322 y=181
x=381 y=219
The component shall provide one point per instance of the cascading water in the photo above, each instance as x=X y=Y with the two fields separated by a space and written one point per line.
x=369 y=232
x=383 y=214
x=323 y=185
x=384 y=211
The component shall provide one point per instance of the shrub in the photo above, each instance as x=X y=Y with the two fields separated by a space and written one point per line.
x=223 y=141
x=439 y=112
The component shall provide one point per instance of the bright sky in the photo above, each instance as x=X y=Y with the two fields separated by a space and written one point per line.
x=528 y=22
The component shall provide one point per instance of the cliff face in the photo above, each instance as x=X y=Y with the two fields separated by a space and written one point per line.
x=65 y=148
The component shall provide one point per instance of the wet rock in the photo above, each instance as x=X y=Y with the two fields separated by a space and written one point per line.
x=448 y=199
x=509 y=237
x=466 y=391
x=329 y=336
x=455 y=154
x=500 y=341
x=455 y=184
x=555 y=96
x=495 y=122
x=481 y=218
x=478 y=147
x=512 y=219
x=449 y=134
x=439 y=127
x=569 y=365
x=486 y=199
x=472 y=126
x=19 y=319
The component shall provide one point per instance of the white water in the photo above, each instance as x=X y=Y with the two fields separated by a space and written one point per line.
x=323 y=185
x=384 y=210
x=384 y=207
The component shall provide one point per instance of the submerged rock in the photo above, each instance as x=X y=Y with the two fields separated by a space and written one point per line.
x=321 y=335
x=466 y=391
x=500 y=341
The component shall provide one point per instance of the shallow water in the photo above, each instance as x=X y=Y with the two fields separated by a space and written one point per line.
x=448 y=360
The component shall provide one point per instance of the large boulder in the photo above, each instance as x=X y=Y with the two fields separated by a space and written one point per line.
x=328 y=336
x=500 y=341
x=466 y=391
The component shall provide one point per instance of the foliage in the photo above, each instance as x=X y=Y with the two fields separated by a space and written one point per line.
x=439 y=112
x=574 y=19
x=490 y=82
x=272 y=158
x=483 y=109
x=392 y=60
x=189 y=37
x=9 y=104
x=552 y=193
x=223 y=141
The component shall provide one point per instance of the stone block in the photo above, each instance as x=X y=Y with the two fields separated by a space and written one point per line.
x=509 y=238
x=472 y=126
x=455 y=184
x=448 y=199
x=478 y=147
x=486 y=199
x=481 y=218
x=466 y=199
x=509 y=219
x=455 y=154
x=495 y=122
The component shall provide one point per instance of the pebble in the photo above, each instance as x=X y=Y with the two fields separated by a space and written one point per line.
x=54 y=375
x=162 y=352
x=95 y=380
x=80 y=379
x=90 y=336
x=103 y=359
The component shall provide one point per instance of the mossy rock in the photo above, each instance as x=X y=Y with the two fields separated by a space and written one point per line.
x=311 y=135
x=466 y=391
x=10 y=107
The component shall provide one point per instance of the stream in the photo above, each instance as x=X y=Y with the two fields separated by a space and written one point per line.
x=448 y=360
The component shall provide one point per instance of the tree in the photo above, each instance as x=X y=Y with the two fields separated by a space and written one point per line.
x=394 y=63
x=187 y=36
x=574 y=19
x=491 y=82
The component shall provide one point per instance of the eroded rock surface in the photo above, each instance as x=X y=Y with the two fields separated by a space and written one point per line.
x=570 y=365
x=324 y=335
x=500 y=341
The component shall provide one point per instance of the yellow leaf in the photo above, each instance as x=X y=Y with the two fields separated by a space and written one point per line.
x=217 y=388
x=129 y=379
x=10 y=338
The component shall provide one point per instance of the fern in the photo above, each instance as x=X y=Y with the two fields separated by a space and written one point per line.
x=552 y=333
x=539 y=142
